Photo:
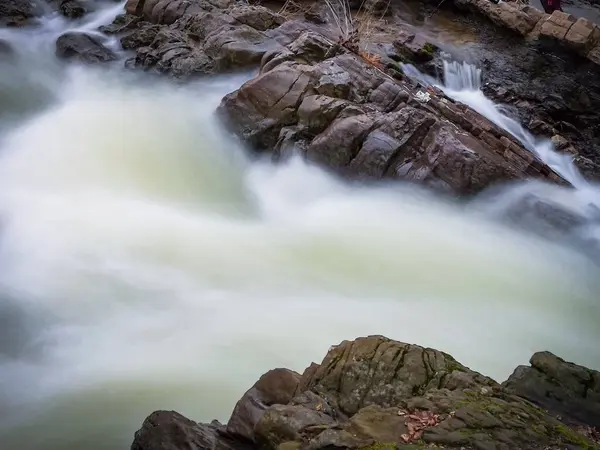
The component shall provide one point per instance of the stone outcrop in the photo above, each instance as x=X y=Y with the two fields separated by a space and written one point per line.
x=187 y=38
x=375 y=393
x=336 y=109
x=564 y=389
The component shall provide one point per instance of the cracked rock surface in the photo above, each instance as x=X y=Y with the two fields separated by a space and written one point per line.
x=375 y=393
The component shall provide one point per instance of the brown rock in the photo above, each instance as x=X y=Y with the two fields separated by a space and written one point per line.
x=274 y=387
x=557 y=25
x=283 y=423
x=583 y=35
x=342 y=113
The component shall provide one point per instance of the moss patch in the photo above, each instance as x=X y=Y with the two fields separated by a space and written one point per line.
x=381 y=446
x=572 y=437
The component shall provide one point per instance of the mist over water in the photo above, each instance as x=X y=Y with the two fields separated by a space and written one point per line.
x=147 y=263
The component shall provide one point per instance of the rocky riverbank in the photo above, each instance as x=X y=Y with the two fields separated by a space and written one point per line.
x=375 y=393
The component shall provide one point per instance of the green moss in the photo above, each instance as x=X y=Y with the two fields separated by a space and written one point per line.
x=574 y=438
x=429 y=48
x=381 y=446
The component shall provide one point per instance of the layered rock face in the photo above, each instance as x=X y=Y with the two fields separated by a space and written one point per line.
x=333 y=107
x=184 y=39
x=375 y=393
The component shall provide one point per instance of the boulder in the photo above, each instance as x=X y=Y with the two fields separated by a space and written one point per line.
x=342 y=112
x=563 y=388
x=169 y=430
x=379 y=394
x=84 y=48
x=18 y=12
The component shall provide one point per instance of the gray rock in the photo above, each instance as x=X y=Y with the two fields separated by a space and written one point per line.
x=73 y=9
x=18 y=12
x=564 y=388
x=84 y=48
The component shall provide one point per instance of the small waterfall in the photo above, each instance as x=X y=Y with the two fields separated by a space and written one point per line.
x=462 y=82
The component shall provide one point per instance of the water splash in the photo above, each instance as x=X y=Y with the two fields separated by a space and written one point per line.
x=462 y=82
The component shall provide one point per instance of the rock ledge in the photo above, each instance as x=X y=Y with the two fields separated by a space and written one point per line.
x=374 y=393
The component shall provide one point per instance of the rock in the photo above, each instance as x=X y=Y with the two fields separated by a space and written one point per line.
x=414 y=48
x=512 y=16
x=284 y=423
x=185 y=39
x=169 y=430
x=18 y=12
x=564 y=388
x=356 y=373
x=73 y=9
x=122 y=22
x=337 y=110
x=274 y=387
x=378 y=394
x=85 y=48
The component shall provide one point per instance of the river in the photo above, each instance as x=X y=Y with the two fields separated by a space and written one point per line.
x=147 y=263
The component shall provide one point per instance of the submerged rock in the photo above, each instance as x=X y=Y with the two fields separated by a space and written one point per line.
x=376 y=393
x=83 y=47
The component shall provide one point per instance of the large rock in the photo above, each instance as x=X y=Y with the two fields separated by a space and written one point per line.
x=18 y=12
x=334 y=108
x=375 y=393
x=84 y=48
x=564 y=388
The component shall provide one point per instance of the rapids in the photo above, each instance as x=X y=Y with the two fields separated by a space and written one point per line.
x=147 y=263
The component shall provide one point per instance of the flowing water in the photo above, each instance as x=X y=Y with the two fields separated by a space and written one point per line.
x=147 y=264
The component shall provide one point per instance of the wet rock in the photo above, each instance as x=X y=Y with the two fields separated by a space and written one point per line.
x=18 y=12
x=564 y=388
x=414 y=48
x=274 y=387
x=376 y=393
x=340 y=112
x=73 y=9
x=84 y=48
